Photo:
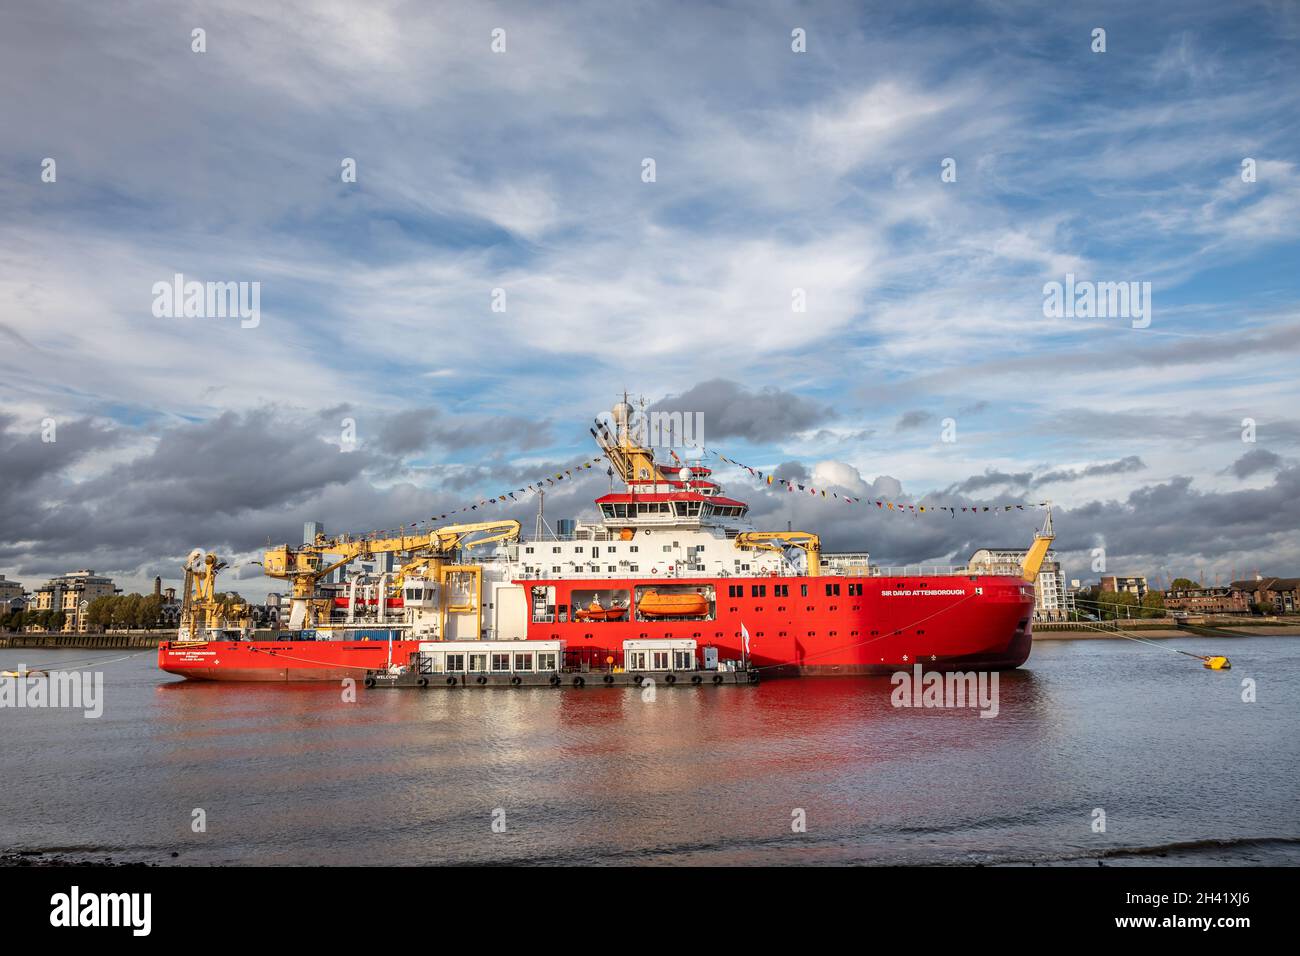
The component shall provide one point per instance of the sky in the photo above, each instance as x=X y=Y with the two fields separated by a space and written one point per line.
x=504 y=266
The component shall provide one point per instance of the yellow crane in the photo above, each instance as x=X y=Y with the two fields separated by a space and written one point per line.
x=201 y=609
x=1033 y=560
x=768 y=541
x=304 y=565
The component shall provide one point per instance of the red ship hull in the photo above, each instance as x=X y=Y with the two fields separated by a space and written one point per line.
x=797 y=626
x=280 y=660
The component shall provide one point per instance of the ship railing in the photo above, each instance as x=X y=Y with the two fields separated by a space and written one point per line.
x=846 y=570
x=919 y=570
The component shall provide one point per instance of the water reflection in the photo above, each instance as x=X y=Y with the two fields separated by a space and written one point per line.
x=297 y=774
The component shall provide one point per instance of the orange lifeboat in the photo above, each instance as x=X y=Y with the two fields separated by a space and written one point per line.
x=681 y=604
x=595 y=612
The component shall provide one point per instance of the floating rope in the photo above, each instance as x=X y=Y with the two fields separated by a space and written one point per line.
x=86 y=663
x=1209 y=660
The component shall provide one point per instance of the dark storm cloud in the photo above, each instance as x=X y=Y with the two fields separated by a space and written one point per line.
x=1197 y=427
x=732 y=411
x=991 y=479
x=228 y=480
x=1261 y=459
x=1123 y=465
x=791 y=471
x=232 y=484
x=1170 y=525
x=238 y=480
x=26 y=458
x=1193 y=350
x=912 y=419
x=416 y=430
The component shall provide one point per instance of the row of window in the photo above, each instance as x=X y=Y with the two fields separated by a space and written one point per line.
x=494 y=663
x=682 y=509
x=658 y=660
x=595 y=549
x=783 y=590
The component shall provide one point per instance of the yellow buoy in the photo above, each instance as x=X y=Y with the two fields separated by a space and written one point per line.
x=1218 y=663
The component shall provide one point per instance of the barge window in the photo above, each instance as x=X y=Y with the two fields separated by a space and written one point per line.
x=523 y=662
x=546 y=661
x=500 y=662
x=636 y=660
x=661 y=660
x=478 y=663
x=455 y=662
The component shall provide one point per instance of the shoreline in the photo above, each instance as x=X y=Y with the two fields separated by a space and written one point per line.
x=1160 y=633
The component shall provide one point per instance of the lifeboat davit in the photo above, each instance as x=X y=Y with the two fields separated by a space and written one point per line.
x=681 y=604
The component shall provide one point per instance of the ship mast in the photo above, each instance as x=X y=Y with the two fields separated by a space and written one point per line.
x=632 y=460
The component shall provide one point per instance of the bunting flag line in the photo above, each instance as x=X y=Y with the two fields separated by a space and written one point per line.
x=505 y=497
x=881 y=505
x=532 y=488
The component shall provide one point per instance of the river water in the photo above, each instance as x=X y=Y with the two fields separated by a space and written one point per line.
x=1183 y=769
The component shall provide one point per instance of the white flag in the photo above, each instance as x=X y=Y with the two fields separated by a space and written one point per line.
x=744 y=637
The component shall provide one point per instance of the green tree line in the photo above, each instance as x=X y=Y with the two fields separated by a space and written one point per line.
x=21 y=620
